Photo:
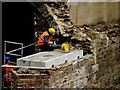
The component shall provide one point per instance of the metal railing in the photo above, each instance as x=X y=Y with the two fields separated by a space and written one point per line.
x=11 y=52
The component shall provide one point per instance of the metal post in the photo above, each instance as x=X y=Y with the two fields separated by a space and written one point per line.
x=4 y=64
x=22 y=50
x=4 y=51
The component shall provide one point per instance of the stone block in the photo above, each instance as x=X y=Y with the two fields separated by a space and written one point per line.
x=83 y=81
x=49 y=59
x=71 y=83
x=95 y=67
x=82 y=71
x=23 y=62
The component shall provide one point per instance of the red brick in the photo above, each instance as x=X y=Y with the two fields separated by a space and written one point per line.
x=39 y=81
x=45 y=81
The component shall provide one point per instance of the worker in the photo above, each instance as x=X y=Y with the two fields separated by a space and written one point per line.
x=8 y=77
x=43 y=43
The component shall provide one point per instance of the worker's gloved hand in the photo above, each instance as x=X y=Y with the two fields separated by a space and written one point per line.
x=57 y=39
x=50 y=45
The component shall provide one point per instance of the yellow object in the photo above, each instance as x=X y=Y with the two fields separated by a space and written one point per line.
x=52 y=31
x=65 y=47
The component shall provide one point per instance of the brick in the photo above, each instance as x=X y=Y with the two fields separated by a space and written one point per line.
x=28 y=81
x=45 y=81
x=39 y=81
x=60 y=73
x=71 y=83
x=39 y=77
x=45 y=76
x=56 y=83
x=60 y=81
x=70 y=69
x=69 y=77
x=55 y=78
x=51 y=81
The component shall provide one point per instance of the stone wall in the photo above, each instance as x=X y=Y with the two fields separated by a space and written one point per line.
x=102 y=67
x=105 y=46
x=55 y=15
x=106 y=51
x=100 y=40
x=74 y=74
x=92 y=12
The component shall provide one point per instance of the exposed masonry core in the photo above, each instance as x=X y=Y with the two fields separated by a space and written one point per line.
x=100 y=65
x=56 y=15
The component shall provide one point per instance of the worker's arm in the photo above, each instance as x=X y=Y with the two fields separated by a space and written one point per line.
x=47 y=37
x=54 y=39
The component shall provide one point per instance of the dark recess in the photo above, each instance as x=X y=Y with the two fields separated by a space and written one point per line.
x=18 y=25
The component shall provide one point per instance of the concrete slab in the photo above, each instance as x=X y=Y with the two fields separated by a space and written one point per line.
x=49 y=59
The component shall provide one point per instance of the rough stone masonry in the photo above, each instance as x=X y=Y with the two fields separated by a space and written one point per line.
x=100 y=66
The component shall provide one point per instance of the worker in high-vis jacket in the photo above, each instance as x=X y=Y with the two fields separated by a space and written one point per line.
x=8 y=77
x=43 y=43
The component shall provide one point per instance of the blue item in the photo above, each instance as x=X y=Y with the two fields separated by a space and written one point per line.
x=7 y=58
x=56 y=45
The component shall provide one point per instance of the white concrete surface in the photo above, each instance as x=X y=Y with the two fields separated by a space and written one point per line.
x=49 y=59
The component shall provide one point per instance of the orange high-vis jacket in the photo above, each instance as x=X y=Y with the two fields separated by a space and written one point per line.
x=42 y=38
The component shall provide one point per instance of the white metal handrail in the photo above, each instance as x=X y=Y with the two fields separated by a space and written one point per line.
x=10 y=52
x=5 y=52
x=20 y=48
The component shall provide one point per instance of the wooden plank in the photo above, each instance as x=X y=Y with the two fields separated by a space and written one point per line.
x=35 y=68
